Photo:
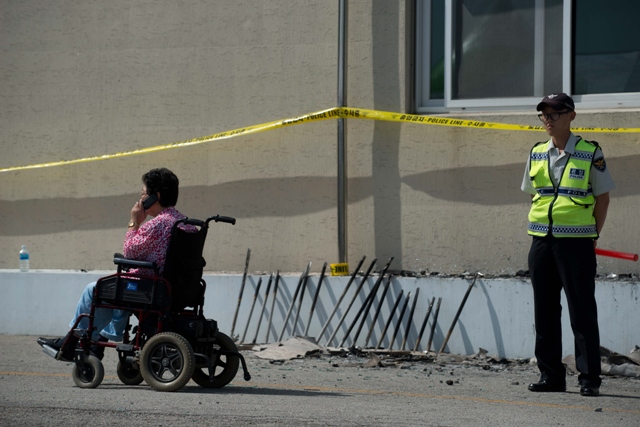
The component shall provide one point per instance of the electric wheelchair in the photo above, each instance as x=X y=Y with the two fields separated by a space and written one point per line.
x=173 y=341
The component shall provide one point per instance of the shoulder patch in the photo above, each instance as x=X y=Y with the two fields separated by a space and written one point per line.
x=600 y=164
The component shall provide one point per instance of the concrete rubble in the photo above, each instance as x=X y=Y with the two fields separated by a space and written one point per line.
x=293 y=348
x=613 y=364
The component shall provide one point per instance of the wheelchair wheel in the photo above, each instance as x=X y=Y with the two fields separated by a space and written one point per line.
x=91 y=375
x=129 y=375
x=226 y=366
x=167 y=362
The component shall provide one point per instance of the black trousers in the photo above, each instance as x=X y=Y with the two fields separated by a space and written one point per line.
x=569 y=264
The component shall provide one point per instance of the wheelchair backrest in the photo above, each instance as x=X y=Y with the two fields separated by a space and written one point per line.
x=184 y=262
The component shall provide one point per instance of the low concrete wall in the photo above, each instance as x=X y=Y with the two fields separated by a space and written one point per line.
x=498 y=315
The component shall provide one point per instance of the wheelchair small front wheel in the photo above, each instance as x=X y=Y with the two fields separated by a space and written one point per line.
x=225 y=365
x=167 y=362
x=90 y=374
x=129 y=375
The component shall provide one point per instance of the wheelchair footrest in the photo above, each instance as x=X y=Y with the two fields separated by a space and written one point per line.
x=56 y=354
x=50 y=351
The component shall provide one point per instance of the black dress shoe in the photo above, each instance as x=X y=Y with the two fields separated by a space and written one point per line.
x=589 y=390
x=65 y=354
x=545 y=386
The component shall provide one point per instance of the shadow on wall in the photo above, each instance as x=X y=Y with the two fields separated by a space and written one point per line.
x=386 y=181
x=289 y=197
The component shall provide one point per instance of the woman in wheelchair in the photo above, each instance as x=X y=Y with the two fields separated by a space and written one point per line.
x=159 y=276
x=144 y=241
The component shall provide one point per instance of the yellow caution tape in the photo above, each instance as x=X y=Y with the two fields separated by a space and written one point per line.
x=331 y=113
x=319 y=115
x=341 y=269
x=444 y=121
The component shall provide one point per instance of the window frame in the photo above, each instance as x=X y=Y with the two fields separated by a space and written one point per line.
x=424 y=103
x=423 y=53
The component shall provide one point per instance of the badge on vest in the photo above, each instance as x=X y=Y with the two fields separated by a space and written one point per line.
x=575 y=173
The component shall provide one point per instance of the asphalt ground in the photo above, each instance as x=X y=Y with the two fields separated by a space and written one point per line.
x=36 y=390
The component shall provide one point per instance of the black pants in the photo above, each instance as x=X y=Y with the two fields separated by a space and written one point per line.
x=569 y=264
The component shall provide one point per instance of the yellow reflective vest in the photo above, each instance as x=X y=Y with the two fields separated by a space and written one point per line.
x=565 y=210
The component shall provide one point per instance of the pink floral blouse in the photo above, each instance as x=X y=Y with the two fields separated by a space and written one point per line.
x=151 y=241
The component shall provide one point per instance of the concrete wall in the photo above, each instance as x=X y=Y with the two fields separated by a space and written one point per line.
x=89 y=78
x=498 y=315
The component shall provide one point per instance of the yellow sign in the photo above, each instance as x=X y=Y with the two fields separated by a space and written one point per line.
x=341 y=269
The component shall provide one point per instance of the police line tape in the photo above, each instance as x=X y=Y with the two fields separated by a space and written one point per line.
x=332 y=113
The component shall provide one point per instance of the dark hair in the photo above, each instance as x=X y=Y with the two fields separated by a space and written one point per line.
x=165 y=182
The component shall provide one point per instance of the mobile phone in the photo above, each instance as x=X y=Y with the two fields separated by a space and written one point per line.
x=149 y=201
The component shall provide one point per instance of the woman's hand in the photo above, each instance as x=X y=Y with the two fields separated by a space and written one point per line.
x=138 y=215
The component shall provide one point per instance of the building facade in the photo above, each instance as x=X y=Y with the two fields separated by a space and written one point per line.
x=86 y=79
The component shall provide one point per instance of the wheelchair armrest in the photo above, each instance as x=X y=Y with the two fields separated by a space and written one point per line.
x=119 y=259
x=218 y=218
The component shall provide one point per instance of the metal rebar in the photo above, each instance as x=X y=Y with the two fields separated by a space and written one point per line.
x=424 y=324
x=433 y=325
x=273 y=306
x=388 y=322
x=378 y=309
x=264 y=304
x=366 y=305
x=457 y=316
x=399 y=322
x=315 y=299
x=244 y=278
x=413 y=309
x=355 y=295
x=253 y=304
x=304 y=287
x=344 y=292
x=293 y=301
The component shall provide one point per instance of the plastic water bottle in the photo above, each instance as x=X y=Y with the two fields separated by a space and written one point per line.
x=24 y=259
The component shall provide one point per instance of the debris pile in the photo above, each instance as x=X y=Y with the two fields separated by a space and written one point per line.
x=613 y=364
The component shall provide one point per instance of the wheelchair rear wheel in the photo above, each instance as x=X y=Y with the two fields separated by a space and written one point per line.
x=167 y=362
x=128 y=375
x=90 y=375
x=226 y=366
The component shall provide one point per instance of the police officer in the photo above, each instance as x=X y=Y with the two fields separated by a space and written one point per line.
x=569 y=183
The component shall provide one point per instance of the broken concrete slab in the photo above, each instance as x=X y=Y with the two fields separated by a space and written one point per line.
x=635 y=354
x=293 y=348
x=612 y=363
x=625 y=370
x=616 y=358
x=618 y=364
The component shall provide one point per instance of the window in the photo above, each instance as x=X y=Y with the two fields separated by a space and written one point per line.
x=497 y=54
x=607 y=48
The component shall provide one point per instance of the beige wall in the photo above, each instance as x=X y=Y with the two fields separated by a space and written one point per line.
x=89 y=78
